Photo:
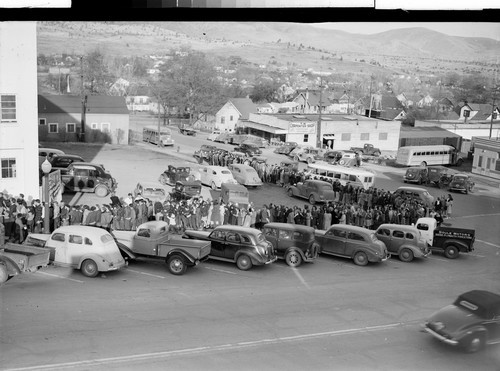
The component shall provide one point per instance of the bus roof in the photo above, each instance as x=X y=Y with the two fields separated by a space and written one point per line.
x=430 y=148
x=342 y=169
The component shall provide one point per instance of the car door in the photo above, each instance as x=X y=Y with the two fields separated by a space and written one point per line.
x=218 y=239
x=80 y=179
x=271 y=235
x=57 y=246
x=384 y=235
x=397 y=239
x=232 y=245
x=75 y=249
x=304 y=190
x=142 y=242
x=334 y=241
x=354 y=241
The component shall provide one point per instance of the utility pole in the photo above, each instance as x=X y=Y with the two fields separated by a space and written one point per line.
x=319 y=139
x=84 y=103
x=493 y=110
x=371 y=98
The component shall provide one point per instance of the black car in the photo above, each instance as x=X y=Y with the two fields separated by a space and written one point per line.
x=241 y=245
x=249 y=149
x=61 y=162
x=471 y=322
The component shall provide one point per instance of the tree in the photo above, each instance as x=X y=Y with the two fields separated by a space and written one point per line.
x=264 y=92
x=96 y=76
x=189 y=83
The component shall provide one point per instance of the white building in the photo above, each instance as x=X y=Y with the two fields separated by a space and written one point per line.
x=18 y=109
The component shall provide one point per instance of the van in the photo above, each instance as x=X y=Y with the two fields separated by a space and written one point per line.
x=419 y=194
x=235 y=193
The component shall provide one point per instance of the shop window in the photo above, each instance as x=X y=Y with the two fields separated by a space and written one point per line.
x=346 y=136
x=8 y=168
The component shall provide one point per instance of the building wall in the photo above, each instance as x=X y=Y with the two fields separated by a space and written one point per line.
x=486 y=157
x=95 y=128
x=466 y=131
x=18 y=77
x=226 y=118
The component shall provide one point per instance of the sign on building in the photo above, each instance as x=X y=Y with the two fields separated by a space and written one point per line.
x=302 y=127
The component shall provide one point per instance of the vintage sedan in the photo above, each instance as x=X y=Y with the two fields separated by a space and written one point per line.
x=88 y=177
x=245 y=175
x=461 y=182
x=241 y=245
x=348 y=241
x=173 y=174
x=214 y=176
x=186 y=189
x=292 y=242
x=152 y=191
x=309 y=155
x=404 y=241
x=471 y=322
x=61 y=162
x=89 y=249
x=312 y=190
x=286 y=148
x=249 y=149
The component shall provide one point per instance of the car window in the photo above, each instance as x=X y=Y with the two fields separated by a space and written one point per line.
x=246 y=239
x=88 y=241
x=106 y=238
x=384 y=232
x=218 y=235
x=355 y=236
x=409 y=236
x=144 y=232
x=423 y=227
x=398 y=234
x=285 y=235
x=58 y=237
x=336 y=233
x=232 y=237
x=75 y=239
x=270 y=232
x=298 y=236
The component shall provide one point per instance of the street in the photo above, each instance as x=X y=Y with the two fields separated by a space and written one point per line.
x=327 y=315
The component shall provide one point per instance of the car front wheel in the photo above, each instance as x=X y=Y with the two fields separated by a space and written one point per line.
x=312 y=200
x=89 y=268
x=360 y=258
x=244 y=262
x=214 y=186
x=176 y=265
x=4 y=274
x=290 y=192
x=293 y=259
x=101 y=191
x=474 y=343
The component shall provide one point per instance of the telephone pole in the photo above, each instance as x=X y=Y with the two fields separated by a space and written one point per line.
x=83 y=97
x=493 y=113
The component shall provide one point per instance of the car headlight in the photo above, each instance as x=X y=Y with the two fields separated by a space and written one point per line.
x=261 y=250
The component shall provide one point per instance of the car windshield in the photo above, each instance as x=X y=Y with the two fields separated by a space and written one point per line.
x=225 y=172
x=154 y=191
x=249 y=170
x=373 y=237
x=106 y=238
x=260 y=237
x=325 y=187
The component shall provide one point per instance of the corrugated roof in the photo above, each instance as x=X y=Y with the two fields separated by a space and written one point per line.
x=73 y=104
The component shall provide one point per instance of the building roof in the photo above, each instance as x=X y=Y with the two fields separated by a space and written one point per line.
x=390 y=101
x=483 y=111
x=245 y=106
x=390 y=114
x=73 y=104
x=426 y=132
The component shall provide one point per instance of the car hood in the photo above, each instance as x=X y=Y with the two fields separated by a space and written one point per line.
x=453 y=319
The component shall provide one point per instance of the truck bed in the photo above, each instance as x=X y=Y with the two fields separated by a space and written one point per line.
x=27 y=258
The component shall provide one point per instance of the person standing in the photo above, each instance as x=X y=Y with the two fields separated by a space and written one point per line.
x=449 y=205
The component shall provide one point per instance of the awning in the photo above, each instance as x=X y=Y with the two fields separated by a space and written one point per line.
x=266 y=128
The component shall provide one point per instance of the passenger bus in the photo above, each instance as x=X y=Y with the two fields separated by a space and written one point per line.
x=150 y=134
x=330 y=173
x=428 y=155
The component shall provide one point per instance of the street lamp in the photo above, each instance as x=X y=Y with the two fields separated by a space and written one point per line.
x=46 y=167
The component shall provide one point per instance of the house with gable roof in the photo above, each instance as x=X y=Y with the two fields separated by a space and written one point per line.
x=308 y=101
x=235 y=110
x=477 y=112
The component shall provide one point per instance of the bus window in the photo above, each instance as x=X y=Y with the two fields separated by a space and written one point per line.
x=352 y=178
x=337 y=176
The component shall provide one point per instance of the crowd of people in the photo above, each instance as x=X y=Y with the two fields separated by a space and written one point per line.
x=355 y=206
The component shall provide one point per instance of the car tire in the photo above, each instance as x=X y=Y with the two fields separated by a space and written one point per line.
x=312 y=200
x=4 y=274
x=176 y=265
x=89 y=268
x=451 y=252
x=423 y=163
x=360 y=258
x=459 y=162
x=376 y=154
x=293 y=259
x=474 y=342
x=406 y=255
x=244 y=262
x=213 y=186
x=101 y=191
x=342 y=162
x=290 y=192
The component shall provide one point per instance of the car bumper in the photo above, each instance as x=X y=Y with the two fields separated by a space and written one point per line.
x=440 y=337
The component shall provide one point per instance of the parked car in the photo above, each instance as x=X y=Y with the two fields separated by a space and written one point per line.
x=235 y=193
x=17 y=259
x=309 y=155
x=292 y=242
x=245 y=175
x=415 y=193
x=404 y=241
x=204 y=153
x=438 y=175
x=298 y=149
x=249 y=149
x=367 y=149
x=241 y=245
x=151 y=190
x=187 y=131
x=214 y=176
x=186 y=189
x=48 y=153
x=213 y=135
x=286 y=148
x=173 y=174
x=289 y=165
x=312 y=190
x=88 y=177
x=349 y=158
x=61 y=162
x=153 y=240
x=471 y=322
x=461 y=182
x=89 y=249
x=417 y=175
x=356 y=243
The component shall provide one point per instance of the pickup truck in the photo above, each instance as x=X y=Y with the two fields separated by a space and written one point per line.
x=16 y=259
x=367 y=149
x=153 y=240
x=450 y=240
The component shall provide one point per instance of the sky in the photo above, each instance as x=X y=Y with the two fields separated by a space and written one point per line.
x=465 y=29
